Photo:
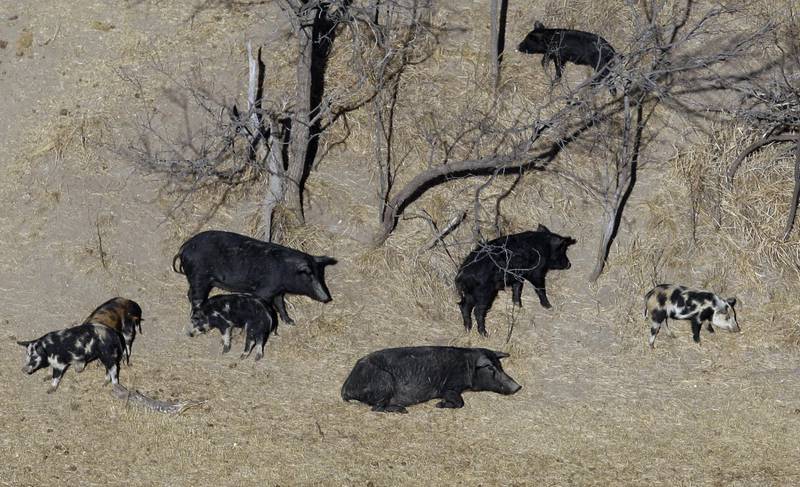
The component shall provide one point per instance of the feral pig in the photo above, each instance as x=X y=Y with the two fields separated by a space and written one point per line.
x=508 y=261
x=681 y=303
x=242 y=264
x=76 y=346
x=575 y=46
x=227 y=311
x=391 y=379
x=122 y=315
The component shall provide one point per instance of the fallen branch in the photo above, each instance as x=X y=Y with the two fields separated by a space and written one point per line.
x=753 y=148
x=168 y=407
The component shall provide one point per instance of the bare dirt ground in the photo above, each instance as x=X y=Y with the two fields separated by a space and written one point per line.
x=81 y=224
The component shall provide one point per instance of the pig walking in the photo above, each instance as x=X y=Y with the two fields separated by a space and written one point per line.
x=391 y=379
x=76 y=346
x=227 y=311
x=508 y=261
x=242 y=264
x=575 y=46
x=681 y=303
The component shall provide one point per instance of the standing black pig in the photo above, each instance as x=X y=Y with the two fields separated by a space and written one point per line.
x=227 y=311
x=76 y=346
x=508 y=261
x=575 y=46
x=245 y=265
x=391 y=379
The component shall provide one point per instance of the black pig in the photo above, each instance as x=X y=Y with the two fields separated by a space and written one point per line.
x=227 y=311
x=508 y=261
x=391 y=379
x=76 y=346
x=575 y=46
x=242 y=264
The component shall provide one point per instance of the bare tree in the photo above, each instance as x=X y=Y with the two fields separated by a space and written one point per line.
x=662 y=66
x=771 y=106
x=497 y=38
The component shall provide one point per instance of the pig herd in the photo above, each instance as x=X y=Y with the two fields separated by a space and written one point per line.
x=258 y=275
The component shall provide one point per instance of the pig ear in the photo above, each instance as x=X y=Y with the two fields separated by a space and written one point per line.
x=542 y=228
x=500 y=355
x=731 y=301
x=483 y=361
x=538 y=25
x=324 y=260
x=570 y=241
x=24 y=344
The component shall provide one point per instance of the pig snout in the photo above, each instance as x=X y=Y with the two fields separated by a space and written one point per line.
x=321 y=294
x=511 y=387
x=27 y=369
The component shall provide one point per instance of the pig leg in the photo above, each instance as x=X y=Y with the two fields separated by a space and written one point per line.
x=709 y=327
x=697 y=325
x=559 y=64
x=451 y=399
x=58 y=373
x=373 y=385
x=538 y=286
x=249 y=343
x=481 y=309
x=467 y=304
x=389 y=408
x=280 y=305
x=516 y=293
x=226 y=340
x=199 y=288
x=657 y=318
x=668 y=329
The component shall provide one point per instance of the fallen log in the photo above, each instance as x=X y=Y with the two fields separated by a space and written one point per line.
x=135 y=397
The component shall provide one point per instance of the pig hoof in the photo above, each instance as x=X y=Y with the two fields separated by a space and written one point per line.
x=51 y=389
x=226 y=349
x=547 y=305
x=390 y=409
x=447 y=405
x=259 y=356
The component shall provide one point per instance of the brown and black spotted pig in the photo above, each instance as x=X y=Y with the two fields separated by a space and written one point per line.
x=122 y=315
x=681 y=303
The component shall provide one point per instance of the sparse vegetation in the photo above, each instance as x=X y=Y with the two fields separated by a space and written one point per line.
x=122 y=142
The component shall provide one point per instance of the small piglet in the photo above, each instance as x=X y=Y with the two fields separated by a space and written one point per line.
x=122 y=315
x=391 y=379
x=681 y=303
x=76 y=346
x=227 y=311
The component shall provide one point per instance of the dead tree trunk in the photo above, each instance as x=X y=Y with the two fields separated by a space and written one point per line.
x=795 y=193
x=301 y=121
x=259 y=139
x=622 y=186
x=497 y=38
x=315 y=35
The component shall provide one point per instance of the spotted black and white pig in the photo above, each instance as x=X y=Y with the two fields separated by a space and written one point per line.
x=122 y=315
x=76 y=346
x=227 y=311
x=508 y=261
x=242 y=264
x=681 y=303
x=391 y=379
